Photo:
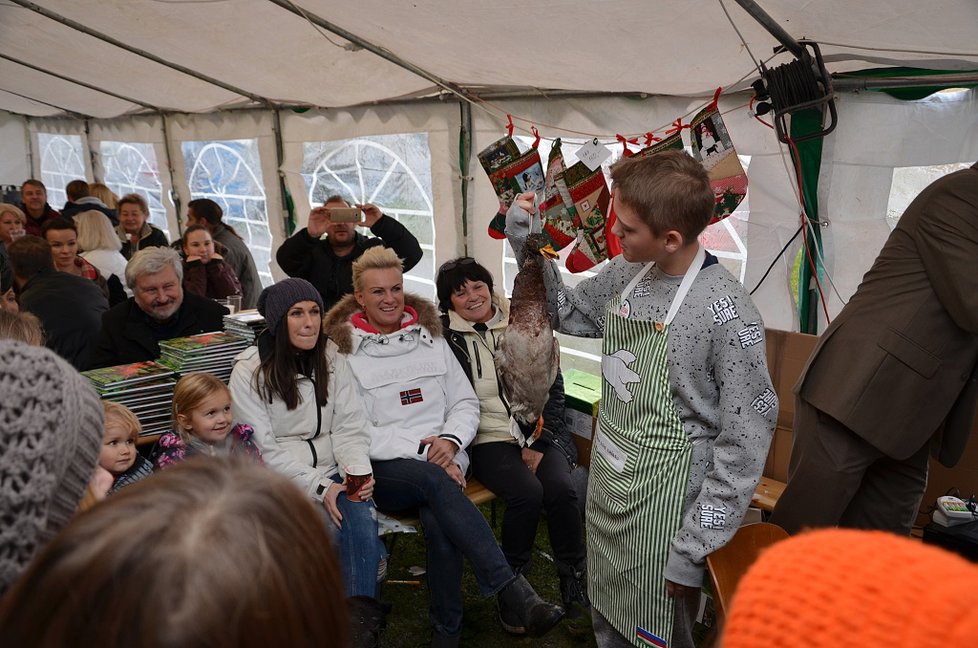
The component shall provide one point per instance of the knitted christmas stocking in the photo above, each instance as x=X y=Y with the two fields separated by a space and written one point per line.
x=557 y=208
x=589 y=192
x=510 y=174
x=714 y=149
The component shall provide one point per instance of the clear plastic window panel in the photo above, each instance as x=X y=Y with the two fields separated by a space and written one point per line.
x=229 y=173
x=130 y=167
x=62 y=160
x=908 y=182
x=390 y=171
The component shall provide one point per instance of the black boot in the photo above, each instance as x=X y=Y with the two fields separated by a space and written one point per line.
x=368 y=617
x=573 y=588
x=522 y=611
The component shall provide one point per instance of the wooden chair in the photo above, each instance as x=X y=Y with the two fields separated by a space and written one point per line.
x=729 y=563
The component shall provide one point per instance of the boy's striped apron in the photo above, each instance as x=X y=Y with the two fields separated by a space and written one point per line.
x=639 y=472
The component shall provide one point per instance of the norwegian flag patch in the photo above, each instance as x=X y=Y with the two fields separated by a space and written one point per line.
x=411 y=396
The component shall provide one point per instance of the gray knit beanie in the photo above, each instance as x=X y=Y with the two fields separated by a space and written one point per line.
x=275 y=301
x=51 y=424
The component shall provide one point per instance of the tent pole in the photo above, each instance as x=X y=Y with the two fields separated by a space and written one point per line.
x=77 y=26
x=287 y=204
x=464 y=157
x=757 y=13
x=375 y=49
x=808 y=158
x=174 y=193
x=77 y=82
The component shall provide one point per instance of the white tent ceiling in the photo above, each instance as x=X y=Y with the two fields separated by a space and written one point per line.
x=265 y=50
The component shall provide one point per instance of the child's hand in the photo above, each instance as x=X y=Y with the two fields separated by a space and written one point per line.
x=527 y=202
x=329 y=501
x=101 y=482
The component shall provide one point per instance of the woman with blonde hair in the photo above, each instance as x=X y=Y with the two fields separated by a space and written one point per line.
x=21 y=326
x=210 y=553
x=12 y=220
x=421 y=414
x=103 y=193
x=133 y=229
x=100 y=246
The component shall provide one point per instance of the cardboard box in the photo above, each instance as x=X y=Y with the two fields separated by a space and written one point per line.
x=787 y=355
x=582 y=393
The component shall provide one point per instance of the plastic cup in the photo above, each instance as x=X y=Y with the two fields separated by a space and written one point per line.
x=356 y=477
x=234 y=303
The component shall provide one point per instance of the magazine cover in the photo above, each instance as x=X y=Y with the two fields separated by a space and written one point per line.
x=114 y=377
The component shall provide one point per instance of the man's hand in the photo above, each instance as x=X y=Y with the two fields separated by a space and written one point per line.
x=531 y=458
x=677 y=591
x=318 y=220
x=441 y=451
x=371 y=214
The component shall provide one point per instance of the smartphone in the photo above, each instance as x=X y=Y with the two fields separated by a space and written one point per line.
x=344 y=214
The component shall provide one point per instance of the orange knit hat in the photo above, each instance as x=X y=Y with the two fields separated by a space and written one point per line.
x=845 y=588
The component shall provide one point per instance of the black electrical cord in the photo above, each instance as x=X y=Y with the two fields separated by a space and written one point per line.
x=778 y=256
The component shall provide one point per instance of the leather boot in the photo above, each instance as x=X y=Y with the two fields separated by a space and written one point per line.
x=573 y=588
x=522 y=611
x=368 y=617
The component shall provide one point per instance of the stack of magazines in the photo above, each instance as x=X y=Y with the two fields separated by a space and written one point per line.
x=211 y=353
x=146 y=388
x=247 y=324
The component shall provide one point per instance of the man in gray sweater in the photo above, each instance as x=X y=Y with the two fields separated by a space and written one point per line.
x=687 y=405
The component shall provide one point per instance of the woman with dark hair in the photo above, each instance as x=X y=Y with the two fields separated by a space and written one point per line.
x=298 y=396
x=62 y=235
x=210 y=553
x=531 y=477
x=206 y=212
x=204 y=271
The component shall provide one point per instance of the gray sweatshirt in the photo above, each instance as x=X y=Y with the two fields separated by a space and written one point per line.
x=721 y=387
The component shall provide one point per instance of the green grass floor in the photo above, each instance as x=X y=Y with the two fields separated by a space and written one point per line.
x=408 y=625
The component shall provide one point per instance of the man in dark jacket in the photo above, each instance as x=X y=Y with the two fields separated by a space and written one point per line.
x=34 y=203
x=894 y=376
x=70 y=307
x=327 y=263
x=158 y=310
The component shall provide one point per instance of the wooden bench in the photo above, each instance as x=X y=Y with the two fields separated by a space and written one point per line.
x=767 y=493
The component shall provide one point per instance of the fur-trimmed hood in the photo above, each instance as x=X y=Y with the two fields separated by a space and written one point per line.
x=337 y=324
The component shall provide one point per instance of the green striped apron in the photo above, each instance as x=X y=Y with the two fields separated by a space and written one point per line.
x=639 y=472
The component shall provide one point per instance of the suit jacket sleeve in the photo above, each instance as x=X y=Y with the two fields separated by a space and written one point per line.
x=398 y=238
x=947 y=238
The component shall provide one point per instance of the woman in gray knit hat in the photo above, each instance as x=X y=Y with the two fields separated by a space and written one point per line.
x=298 y=396
x=50 y=437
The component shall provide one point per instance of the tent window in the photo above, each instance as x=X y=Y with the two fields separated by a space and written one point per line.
x=62 y=160
x=229 y=173
x=131 y=167
x=390 y=171
x=908 y=182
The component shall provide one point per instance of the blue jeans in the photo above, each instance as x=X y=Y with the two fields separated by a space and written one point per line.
x=360 y=549
x=453 y=528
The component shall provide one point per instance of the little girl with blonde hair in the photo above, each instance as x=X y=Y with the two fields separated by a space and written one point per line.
x=203 y=424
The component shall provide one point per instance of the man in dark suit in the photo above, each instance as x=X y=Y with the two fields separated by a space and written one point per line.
x=70 y=307
x=158 y=310
x=895 y=375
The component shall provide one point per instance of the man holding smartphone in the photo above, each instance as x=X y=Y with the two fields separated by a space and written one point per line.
x=324 y=251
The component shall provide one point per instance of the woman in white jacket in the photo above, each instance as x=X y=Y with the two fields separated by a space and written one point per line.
x=299 y=397
x=422 y=413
